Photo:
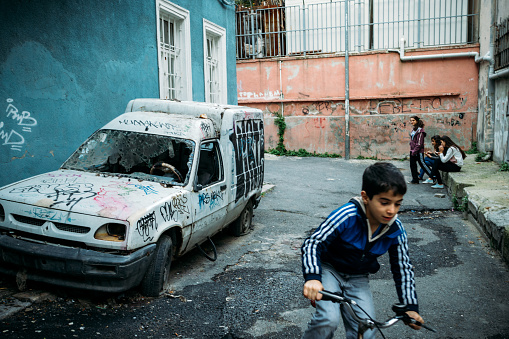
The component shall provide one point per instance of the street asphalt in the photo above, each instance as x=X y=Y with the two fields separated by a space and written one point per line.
x=253 y=290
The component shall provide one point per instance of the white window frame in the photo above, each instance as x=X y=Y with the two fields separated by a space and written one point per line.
x=218 y=33
x=184 y=67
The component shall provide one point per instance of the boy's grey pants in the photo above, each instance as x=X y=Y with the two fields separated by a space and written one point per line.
x=326 y=318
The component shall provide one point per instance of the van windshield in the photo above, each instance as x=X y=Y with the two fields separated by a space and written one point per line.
x=137 y=155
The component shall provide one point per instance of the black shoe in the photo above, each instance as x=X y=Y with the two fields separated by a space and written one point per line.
x=413 y=182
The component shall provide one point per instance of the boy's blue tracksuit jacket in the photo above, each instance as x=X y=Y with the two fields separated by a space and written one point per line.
x=342 y=242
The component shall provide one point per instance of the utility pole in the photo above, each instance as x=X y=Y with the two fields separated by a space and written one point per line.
x=347 y=88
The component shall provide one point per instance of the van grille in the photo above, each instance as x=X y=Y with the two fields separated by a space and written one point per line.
x=72 y=228
x=28 y=220
x=60 y=226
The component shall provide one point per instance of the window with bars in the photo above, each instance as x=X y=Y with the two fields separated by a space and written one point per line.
x=214 y=62
x=299 y=27
x=502 y=45
x=174 y=53
x=211 y=60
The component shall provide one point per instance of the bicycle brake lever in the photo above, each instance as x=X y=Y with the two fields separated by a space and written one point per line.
x=418 y=323
x=409 y=320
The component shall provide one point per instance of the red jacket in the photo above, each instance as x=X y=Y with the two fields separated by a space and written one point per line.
x=417 y=141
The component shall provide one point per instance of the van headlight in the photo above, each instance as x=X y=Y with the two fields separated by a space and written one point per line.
x=111 y=232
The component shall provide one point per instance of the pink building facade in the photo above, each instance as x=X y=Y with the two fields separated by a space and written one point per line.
x=384 y=92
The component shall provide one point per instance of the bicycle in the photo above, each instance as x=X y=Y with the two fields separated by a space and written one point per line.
x=369 y=323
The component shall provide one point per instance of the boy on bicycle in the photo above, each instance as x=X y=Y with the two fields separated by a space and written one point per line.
x=343 y=251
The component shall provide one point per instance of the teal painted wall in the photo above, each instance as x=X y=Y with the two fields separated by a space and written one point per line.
x=67 y=67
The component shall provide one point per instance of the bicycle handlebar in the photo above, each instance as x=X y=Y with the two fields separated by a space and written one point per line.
x=399 y=309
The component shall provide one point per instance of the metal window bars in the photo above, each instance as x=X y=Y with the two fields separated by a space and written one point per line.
x=502 y=45
x=299 y=27
x=212 y=72
x=170 y=60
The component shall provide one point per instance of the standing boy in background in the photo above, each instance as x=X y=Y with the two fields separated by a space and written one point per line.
x=343 y=250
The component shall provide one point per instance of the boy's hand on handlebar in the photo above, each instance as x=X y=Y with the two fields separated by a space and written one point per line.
x=311 y=289
x=416 y=317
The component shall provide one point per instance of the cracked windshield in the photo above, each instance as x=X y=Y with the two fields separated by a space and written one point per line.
x=136 y=155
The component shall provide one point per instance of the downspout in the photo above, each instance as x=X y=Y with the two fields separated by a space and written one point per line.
x=502 y=74
x=347 y=89
x=402 y=56
x=491 y=82
x=487 y=57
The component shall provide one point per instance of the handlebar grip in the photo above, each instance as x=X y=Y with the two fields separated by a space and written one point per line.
x=326 y=295
x=334 y=297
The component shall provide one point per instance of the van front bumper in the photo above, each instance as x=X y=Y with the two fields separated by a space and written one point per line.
x=74 y=267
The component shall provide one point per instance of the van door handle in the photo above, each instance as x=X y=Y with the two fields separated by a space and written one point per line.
x=223 y=187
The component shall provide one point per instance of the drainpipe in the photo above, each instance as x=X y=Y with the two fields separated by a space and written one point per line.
x=347 y=89
x=402 y=56
x=502 y=74
x=487 y=57
x=491 y=81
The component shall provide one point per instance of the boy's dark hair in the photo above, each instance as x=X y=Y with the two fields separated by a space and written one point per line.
x=383 y=177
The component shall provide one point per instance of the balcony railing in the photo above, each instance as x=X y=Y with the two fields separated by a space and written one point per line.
x=300 y=27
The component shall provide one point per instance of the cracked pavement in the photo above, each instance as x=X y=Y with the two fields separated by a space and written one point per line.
x=253 y=289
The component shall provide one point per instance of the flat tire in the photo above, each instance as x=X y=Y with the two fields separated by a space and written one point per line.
x=157 y=276
x=242 y=224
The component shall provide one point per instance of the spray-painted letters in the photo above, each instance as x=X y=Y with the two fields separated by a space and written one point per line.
x=248 y=144
x=213 y=199
x=66 y=194
x=14 y=138
x=146 y=225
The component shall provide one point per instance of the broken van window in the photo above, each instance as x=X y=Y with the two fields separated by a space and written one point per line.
x=138 y=155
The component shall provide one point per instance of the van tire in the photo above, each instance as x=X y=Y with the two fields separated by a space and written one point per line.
x=243 y=223
x=158 y=273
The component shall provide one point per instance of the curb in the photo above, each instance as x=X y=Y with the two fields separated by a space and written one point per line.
x=487 y=192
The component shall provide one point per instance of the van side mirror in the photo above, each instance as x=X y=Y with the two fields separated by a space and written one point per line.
x=197 y=187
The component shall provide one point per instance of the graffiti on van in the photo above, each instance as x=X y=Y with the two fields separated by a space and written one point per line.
x=248 y=144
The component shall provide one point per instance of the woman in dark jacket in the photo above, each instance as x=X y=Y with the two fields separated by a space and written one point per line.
x=417 y=136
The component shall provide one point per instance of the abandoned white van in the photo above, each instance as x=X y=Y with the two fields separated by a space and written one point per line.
x=151 y=185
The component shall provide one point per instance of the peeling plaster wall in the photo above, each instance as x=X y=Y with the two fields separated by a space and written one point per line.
x=501 y=131
x=69 y=66
x=501 y=104
x=493 y=118
x=485 y=142
x=384 y=93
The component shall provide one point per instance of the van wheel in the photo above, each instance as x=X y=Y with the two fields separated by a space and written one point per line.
x=158 y=274
x=243 y=223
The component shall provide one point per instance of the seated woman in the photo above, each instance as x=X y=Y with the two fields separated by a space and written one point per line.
x=451 y=160
x=430 y=157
